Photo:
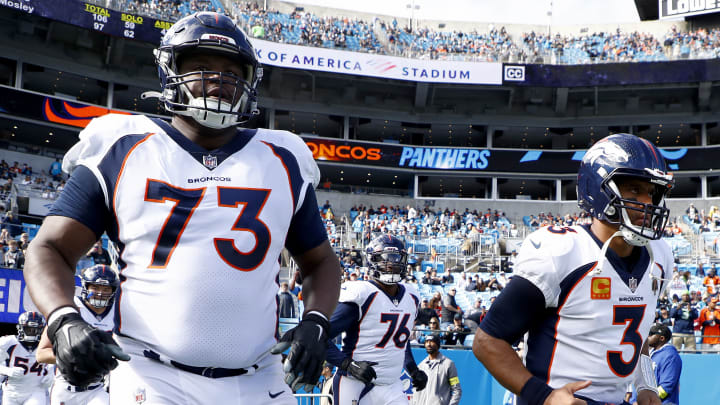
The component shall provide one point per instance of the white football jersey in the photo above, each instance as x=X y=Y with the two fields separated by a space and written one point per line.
x=200 y=233
x=597 y=323
x=383 y=329
x=14 y=354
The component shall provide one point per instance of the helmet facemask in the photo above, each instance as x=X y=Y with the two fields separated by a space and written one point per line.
x=211 y=111
x=621 y=211
x=388 y=266
x=98 y=300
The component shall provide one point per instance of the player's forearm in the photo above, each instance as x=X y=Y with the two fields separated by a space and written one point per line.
x=321 y=272
x=50 y=279
x=501 y=361
x=45 y=356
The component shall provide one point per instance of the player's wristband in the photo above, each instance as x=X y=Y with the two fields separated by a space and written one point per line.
x=58 y=312
x=318 y=318
x=535 y=391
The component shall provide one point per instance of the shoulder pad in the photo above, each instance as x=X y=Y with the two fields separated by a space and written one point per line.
x=297 y=146
x=101 y=133
x=356 y=291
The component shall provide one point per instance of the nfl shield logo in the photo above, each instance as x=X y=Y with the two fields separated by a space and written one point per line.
x=210 y=161
x=633 y=283
x=140 y=395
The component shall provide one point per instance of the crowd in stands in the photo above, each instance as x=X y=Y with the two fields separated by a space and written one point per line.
x=489 y=44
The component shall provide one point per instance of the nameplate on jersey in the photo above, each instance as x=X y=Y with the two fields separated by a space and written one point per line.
x=210 y=161
x=600 y=288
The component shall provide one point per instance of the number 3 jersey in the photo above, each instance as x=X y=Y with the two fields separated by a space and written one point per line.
x=380 y=327
x=199 y=232
x=14 y=354
x=596 y=322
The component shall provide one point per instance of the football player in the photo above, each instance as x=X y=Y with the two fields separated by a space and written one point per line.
x=588 y=293
x=375 y=317
x=200 y=210
x=27 y=380
x=96 y=305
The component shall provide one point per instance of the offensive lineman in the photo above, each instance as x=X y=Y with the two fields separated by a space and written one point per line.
x=27 y=380
x=200 y=211
x=376 y=317
x=97 y=307
x=588 y=293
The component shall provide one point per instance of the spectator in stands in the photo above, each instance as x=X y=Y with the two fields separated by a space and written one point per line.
x=287 y=302
x=14 y=257
x=432 y=330
x=99 y=254
x=436 y=303
x=450 y=308
x=683 y=332
x=691 y=211
x=24 y=240
x=664 y=317
x=425 y=313
x=475 y=315
x=56 y=170
x=711 y=283
x=4 y=238
x=27 y=181
x=443 y=383
x=12 y=224
x=457 y=332
x=710 y=323
x=430 y=278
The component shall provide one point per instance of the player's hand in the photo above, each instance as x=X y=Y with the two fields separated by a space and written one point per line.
x=564 y=395
x=362 y=370
x=15 y=372
x=419 y=379
x=307 y=343
x=83 y=354
x=647 y=397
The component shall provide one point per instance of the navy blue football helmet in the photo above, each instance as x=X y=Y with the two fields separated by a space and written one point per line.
x=208 y=32
x=99 y=274
x=624 y=156
x=29 y=327
x=386 y=259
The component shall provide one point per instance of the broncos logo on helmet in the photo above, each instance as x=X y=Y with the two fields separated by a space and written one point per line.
x=625 y=156
x=386 y=259
x=100 y=275
x=29 y=327
x=215 y=33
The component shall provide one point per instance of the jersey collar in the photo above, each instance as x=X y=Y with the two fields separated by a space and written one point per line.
x=208 y=158
x=637 y=271
x=397 y=298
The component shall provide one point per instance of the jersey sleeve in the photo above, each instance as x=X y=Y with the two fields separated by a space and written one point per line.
x=5 y=343
x=356 y=292
x=536 y=263
x=306 y=228
x=83 y=191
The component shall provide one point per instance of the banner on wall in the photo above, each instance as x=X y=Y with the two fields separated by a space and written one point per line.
x=14 y=296
x=366 y=64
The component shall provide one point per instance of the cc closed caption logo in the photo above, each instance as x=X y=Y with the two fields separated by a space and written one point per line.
x=515 y=73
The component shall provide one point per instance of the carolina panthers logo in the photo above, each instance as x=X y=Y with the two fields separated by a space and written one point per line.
x=608 y=151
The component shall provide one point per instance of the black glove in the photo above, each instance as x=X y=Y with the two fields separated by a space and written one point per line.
x=307 y=343
x=419 y=379
x=362 y=370
x=83 y=354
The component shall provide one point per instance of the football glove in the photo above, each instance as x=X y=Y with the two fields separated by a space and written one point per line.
x=13 y=372
x=83 y=354
x=419 y=379
x=307 y=343
x=362 y=370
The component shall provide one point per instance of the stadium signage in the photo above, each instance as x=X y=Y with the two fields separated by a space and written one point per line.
x=685 y=8
x=18 y=5
x=365 y=64
x=95 y=18
x=444 y=158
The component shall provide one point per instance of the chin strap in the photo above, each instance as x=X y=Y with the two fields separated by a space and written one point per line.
x=603 y=252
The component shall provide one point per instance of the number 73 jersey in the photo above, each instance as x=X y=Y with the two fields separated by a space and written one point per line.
x=199 y=233
x=383 y=329
x=595 y=321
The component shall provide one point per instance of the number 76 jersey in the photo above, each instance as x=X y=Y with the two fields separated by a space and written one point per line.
x=199 y=233
x=383 y=329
